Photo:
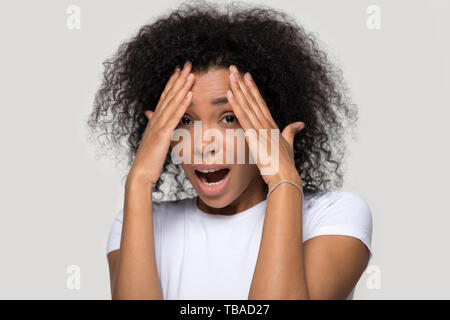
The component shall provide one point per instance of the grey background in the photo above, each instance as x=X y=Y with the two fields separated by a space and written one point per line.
x=58 y=200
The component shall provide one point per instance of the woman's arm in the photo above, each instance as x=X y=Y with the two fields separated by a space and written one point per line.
x=135 y=274
x=280 y=269
x=326 y=267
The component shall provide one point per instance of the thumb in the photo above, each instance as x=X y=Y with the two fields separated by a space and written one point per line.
x=291 y=130
x=149 y=114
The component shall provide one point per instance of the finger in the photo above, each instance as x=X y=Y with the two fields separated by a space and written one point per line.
x=243 y=87
x=251 y=102
x=240 y=98
x=250 y=98
x=260 y=101
x=291 y=130
x=169 y=85
x=238 y=111
x=180 y=111
x=171 y=81
x=149 y=114
x=178 y=84
x=172 y=119
x=170 y=113
x=243 y=119
x=180 y=95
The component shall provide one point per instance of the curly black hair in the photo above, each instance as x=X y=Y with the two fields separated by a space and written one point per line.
x=295 y=78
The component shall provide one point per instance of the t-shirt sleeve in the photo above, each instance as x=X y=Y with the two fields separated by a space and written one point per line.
x=115 y=233
x=342 y=213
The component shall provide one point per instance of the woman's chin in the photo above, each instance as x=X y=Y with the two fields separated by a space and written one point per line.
x=213 y=198
x=215 y=203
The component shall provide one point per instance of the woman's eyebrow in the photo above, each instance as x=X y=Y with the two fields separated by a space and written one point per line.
x=215 y=102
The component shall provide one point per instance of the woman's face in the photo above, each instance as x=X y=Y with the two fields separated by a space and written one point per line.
x=218 y=181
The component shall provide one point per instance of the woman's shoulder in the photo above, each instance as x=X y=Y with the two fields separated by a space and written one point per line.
x=338 y=212
x=335 y=198
x=161 y=208
x=338 y=208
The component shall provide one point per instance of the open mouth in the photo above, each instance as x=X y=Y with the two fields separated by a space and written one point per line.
x=212 y=177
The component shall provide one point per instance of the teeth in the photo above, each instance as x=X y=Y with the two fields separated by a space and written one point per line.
x=210 y=184
x=210 y=170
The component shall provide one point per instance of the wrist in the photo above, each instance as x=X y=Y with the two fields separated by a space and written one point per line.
x=290 y=176
x=137 y=180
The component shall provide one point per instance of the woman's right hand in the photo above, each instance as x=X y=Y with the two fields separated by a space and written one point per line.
x=156 y=139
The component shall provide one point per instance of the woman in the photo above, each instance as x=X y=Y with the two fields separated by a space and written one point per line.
x=231 y=230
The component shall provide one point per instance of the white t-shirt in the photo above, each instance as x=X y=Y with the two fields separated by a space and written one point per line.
x=206 y=256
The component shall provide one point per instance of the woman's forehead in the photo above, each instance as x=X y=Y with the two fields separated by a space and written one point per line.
x=210 y=87
x=213 y=79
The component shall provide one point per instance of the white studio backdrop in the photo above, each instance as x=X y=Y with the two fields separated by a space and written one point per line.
x=58 y=200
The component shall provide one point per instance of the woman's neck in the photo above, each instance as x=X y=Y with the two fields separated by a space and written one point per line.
x=254 y=194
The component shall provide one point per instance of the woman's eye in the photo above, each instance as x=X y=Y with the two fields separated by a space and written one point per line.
x=185 y=121
x=229 y=119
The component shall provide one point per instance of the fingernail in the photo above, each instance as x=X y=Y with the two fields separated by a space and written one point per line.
x=249 y=77
x=233 y=77
x=187 y=63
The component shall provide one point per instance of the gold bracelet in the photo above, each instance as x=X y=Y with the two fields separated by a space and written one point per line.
x=293 y=183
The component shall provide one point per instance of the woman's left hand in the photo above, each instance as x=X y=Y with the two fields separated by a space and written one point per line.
x=253 y=113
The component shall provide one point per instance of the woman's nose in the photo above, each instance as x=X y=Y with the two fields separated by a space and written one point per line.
x=207 y=142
